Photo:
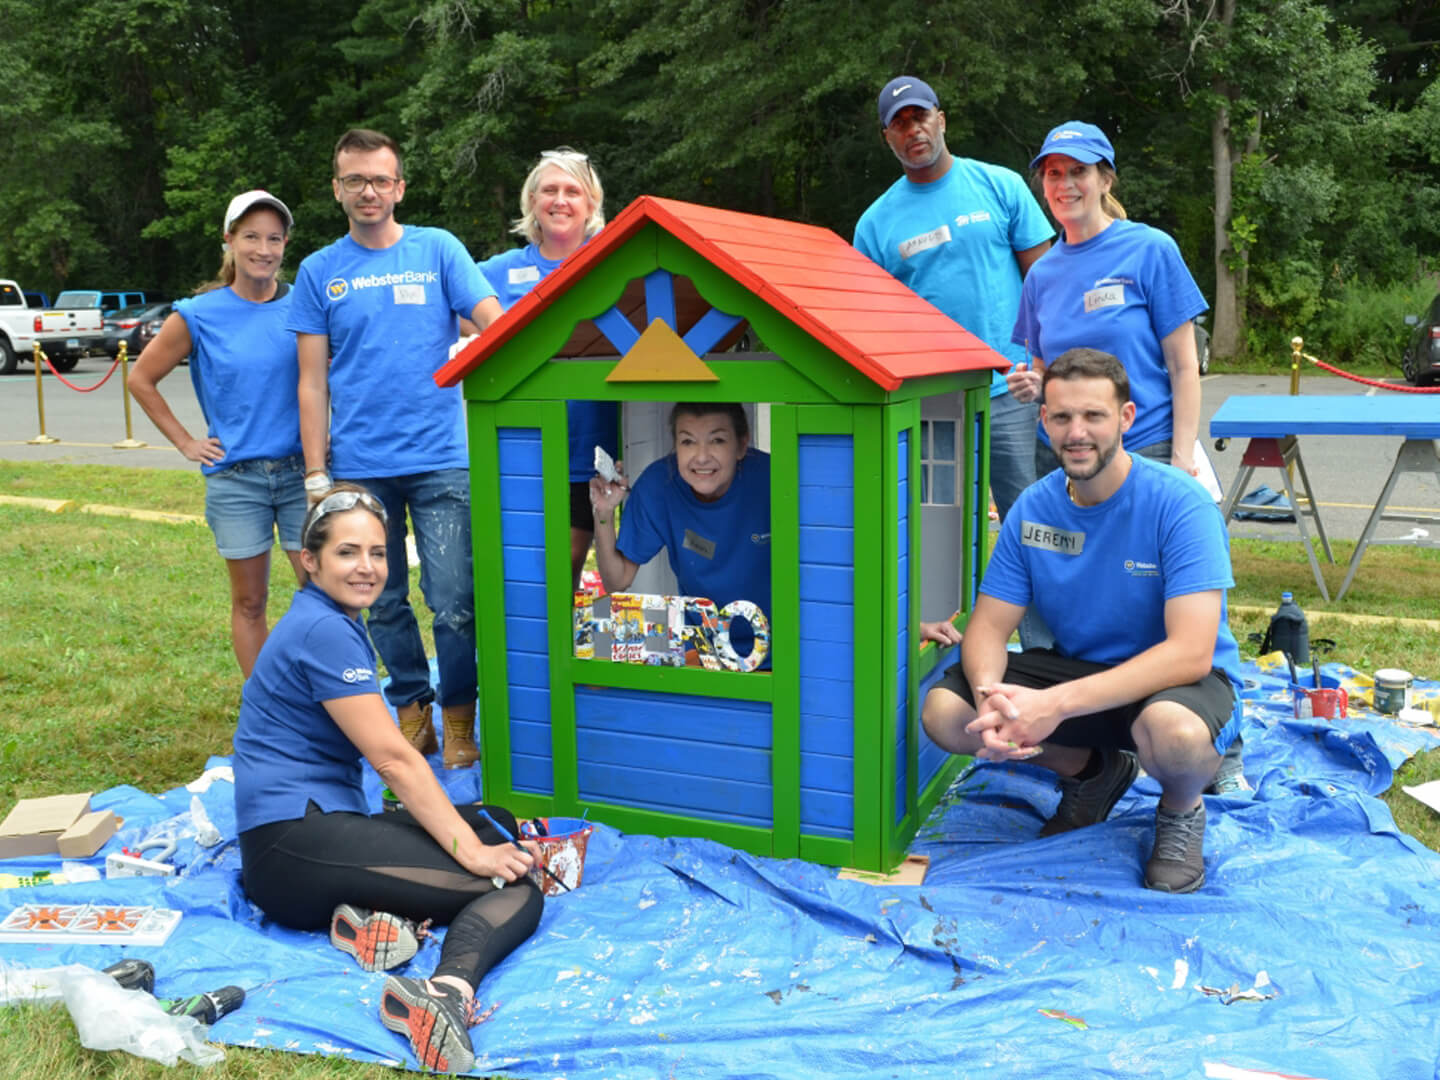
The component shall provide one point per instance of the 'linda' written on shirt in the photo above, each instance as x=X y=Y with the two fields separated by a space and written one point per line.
x=1033 y=534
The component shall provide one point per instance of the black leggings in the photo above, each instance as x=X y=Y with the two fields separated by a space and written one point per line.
x=299 y=871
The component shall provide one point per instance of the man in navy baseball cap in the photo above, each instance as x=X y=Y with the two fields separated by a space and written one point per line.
x=902 y=91
x=961 y=233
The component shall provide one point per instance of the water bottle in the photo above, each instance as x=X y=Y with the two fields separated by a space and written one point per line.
x=1289 y=631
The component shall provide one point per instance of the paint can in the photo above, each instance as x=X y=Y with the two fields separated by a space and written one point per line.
x=389 y=800
x=1392 y=690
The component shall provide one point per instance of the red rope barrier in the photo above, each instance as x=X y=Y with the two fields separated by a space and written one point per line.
x=71 y=385
x=1374 y=382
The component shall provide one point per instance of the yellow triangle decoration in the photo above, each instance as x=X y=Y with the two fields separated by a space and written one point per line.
x=661 y=356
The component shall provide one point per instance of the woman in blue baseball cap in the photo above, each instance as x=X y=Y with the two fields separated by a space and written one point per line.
x=1115 y=285
x=1122 y=287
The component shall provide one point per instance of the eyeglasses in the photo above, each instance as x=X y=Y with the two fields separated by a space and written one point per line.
x=337 y=502
x=355 y=183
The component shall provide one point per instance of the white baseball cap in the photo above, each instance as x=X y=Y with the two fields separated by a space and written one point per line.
x=242 y=204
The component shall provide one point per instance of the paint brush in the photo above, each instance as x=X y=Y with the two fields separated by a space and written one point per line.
x=1294 y=675
x=510 y=837
x=1315 y=669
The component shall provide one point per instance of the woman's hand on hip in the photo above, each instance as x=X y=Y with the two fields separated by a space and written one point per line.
x=206 y=451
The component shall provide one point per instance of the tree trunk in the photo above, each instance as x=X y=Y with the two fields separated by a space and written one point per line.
x=1226 y=331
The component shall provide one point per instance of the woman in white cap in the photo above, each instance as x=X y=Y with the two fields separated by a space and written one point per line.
x=562 y=205
x=245 y=374
x=1114 y=285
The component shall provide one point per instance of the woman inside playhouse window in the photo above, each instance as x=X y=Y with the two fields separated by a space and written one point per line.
x=562 y=205
x=312 y=855
x=707 y=503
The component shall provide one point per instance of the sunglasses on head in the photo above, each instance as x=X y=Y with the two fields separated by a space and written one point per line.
x=337 y=502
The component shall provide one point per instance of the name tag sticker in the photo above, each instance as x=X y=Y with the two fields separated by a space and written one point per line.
x=1034 y=534
x=409 y=294
x=521 y=275
x=698 y=544
x=925 y=241
x=1105 y=296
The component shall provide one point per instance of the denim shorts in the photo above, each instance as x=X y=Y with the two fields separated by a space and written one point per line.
x=246 y=501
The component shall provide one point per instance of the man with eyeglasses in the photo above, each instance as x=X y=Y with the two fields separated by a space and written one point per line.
x=961 y=233
x=375 y=314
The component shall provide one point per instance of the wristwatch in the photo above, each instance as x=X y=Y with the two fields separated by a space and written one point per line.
x=318 y=481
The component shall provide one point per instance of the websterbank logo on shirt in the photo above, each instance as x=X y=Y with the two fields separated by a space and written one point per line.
x=408 y=285
x=1037 y=535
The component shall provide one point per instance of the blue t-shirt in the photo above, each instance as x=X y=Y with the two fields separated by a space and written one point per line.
x=391 y=316
x=514 y=273
x=1121 y=291
x=1100 y=575
x=719 y=549
x=954 y=240
x=245 y=375
x=288 y=750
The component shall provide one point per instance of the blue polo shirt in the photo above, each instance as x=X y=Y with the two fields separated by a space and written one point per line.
x=288 y=750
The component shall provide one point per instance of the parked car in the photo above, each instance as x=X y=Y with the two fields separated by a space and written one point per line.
x=1202 y=344
x=135 y=326
x=108 y=301
x=1421 y=360
x=36 y=299
x=65 y=335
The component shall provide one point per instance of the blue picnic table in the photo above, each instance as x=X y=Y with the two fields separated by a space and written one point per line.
x=1274 y=424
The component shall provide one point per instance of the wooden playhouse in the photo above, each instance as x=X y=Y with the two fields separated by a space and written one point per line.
x=874 y=408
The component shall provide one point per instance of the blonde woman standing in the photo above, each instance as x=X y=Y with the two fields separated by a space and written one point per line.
x=244 y=371
x=562 y=205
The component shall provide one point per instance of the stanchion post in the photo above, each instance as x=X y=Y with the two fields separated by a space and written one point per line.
x=129 y=442
x=38 y=354
x=1297 y=346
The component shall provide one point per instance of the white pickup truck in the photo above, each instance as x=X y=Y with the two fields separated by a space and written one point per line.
x=64 y=333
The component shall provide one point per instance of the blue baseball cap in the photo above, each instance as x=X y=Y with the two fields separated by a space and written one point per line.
x=902 y=91
x=1083 y=142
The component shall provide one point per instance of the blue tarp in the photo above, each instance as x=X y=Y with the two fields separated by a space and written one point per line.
x=1017 y=957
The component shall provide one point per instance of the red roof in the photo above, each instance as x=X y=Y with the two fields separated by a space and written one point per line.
x=808 y=274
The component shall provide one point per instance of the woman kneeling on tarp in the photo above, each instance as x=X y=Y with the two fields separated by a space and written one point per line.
x=707 y=503
x=312 y=853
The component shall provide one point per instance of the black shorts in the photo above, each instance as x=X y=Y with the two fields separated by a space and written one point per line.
x=1212 y=699
x=582 y=514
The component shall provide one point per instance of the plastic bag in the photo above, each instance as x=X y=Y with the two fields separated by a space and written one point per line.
x=109 y=1017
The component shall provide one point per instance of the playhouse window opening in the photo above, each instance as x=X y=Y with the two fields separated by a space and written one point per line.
x=939 y=463
x=660 y=620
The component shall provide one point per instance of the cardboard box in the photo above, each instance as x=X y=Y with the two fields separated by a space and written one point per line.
x=56 y=825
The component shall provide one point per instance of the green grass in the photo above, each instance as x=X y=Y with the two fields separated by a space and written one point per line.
x=39 y=1043
x=116 y=669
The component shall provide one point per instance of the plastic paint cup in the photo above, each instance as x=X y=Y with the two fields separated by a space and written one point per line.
x=1392 y=690
x=1327 y=704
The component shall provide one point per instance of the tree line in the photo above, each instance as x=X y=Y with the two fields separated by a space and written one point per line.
x=1290 y=146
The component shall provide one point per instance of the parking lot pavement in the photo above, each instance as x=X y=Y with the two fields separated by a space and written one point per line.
x=1347 y=473
x=88 y=425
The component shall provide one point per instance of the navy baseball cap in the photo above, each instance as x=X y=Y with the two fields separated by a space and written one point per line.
x=1083 y=142
x=902 y=91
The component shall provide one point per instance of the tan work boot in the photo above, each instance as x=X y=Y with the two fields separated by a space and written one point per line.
x=459 y=723
x=417 y=725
